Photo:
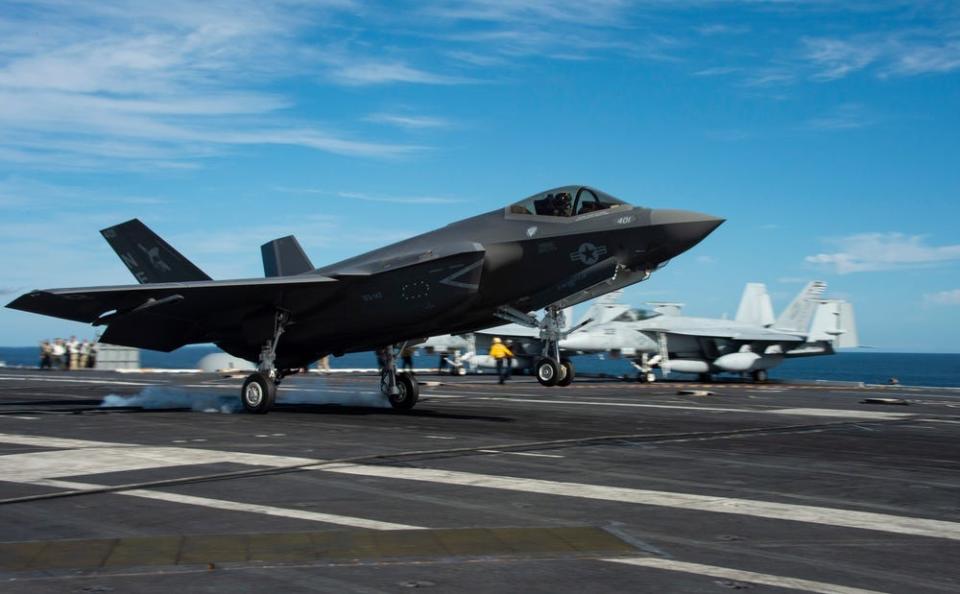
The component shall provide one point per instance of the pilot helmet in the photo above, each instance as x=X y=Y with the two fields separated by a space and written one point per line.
x=496 y=340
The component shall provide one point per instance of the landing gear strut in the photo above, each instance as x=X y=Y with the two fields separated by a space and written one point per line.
x=644 y=366
x=260 y=388
x=400 y=388
x=550 y=369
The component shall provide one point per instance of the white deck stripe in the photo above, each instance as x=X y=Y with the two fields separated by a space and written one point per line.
x=832 y=412
x=742 y=576
x=29 y=467
x=9 y=378
x=64 y=463
x=816 y=412
x=241 y=507
x=686 y=501
x=531 y=454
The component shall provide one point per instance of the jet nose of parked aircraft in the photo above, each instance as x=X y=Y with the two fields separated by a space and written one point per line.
x=683 y=229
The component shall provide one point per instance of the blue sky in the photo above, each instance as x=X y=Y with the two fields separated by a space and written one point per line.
x=827 y=133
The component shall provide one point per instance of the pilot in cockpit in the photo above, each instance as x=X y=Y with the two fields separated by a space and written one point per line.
x=562 y=204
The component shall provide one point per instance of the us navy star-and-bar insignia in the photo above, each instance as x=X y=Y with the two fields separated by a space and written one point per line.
x=588 y=253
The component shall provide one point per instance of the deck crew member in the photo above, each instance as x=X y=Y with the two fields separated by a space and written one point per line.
x=502 y=355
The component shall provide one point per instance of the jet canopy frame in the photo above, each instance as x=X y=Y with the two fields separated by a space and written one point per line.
x=565 y=202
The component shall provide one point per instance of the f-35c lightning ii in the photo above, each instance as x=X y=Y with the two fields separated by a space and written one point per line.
x=551 y=250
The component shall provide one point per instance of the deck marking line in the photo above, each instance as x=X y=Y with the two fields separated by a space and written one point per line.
x=75 y=381
x=742 y=576
x=240 y=507
x=521 y=454
x=30 y=466
x=41 y=465
x=685 y=501
x=814 y=412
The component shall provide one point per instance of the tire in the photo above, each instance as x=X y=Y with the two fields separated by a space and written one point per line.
x=258 y=393
x=759 y=376
x=567 y=374
x=547 y=371
x=408 y=392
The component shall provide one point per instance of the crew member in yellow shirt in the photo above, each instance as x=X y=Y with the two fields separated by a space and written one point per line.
x=502 y=355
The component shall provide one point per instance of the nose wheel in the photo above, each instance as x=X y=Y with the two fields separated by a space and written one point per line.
x=547 y=371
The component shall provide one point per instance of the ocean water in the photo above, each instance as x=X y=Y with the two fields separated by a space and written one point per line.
x=911 y=369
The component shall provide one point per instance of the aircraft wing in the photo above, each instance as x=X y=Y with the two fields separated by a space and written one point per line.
x=165 y=316
x=98 y=305
x=747 y=335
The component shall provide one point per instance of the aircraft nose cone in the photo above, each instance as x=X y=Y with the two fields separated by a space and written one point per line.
x=671 y=217
x=683 y=229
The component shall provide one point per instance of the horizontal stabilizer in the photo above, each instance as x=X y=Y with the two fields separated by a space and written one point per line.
x=150 y=258
x=284 y=257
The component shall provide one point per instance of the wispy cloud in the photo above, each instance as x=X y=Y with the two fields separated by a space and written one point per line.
x=399 y=199
x=717 y=71
x=845 y=117
x=898 y=53
x=722 y=29
x=117 y=82
x=365 y=72
x=367 y=197
x=868 y=252
x=943 y=298
x=408 y=121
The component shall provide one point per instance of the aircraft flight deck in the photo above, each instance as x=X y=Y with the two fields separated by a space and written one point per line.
x=606 y=486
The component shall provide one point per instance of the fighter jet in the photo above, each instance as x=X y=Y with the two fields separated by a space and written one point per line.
x=753 y=343
x=550 y=250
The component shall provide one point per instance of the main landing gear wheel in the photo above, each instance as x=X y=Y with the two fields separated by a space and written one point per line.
x=759 y=376
x=646 y=378
x=547 y=371
x=408 y=391
x=258 y=393
x=566 y=373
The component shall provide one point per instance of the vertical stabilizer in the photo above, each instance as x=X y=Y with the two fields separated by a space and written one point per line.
x=284 y=257
x=799 y=313
x=150 y=258
x=833 y=321
x=755 y=306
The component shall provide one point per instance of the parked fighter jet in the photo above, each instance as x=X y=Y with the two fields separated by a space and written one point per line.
x=752 y=343
x=551 y=250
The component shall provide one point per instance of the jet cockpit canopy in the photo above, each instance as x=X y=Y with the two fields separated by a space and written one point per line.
x=636 y=315
x=566 y=201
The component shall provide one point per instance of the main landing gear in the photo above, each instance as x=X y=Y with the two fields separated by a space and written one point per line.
x=260 y=388
x=400 y=388
x=550 y=369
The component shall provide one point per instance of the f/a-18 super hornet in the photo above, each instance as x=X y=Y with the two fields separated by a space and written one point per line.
x=550 y=250
x=753 y=343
